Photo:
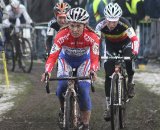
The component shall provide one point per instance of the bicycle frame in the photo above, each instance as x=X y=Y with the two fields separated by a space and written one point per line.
x=117 y=78
x=20 y=44
x=71 y=89
x=72 y=92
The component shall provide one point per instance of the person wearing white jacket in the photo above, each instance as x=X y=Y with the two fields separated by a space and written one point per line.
x=15 y=10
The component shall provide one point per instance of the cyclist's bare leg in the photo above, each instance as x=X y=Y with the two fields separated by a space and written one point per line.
x=85 y=117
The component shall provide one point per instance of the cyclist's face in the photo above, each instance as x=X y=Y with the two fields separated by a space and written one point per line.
x=111 y=24
x=76 y=29
x=61 y=20
x=15 y=10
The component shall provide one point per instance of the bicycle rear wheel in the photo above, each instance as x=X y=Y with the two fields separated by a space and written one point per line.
x=26 y=56
x=114 y=103
x=10 y=56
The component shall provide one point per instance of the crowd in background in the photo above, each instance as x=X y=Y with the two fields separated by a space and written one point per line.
x=143 y=14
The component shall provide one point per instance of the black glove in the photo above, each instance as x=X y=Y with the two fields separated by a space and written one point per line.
x=133 y=56
x=32 y=24
x=11 y=26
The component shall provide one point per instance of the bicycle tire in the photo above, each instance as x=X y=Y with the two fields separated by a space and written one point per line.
x=122 y=110
x=26 y=55
x=76 y=113
x=68 y=111
x=114 y=100
x=10 y=55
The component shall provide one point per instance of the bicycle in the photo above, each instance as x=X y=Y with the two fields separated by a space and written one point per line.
x=18 y=49
x=118 y=92
x=71 y=117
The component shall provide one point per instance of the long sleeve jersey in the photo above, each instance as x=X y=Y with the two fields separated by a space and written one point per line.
x=12 y=15
x=123 y=33
x=64 y=42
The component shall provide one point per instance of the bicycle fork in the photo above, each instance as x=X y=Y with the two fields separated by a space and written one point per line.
x=119 y=103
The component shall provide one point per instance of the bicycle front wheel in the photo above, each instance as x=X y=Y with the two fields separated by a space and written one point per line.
x=26 y=56
x=122 y=110
x=9 y=53
x=71 y=112
x=68 y=111
x=114 y=103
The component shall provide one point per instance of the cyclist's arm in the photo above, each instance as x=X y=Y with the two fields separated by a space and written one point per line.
x=54 y=53
x=94 y=53
x=26 y=15
x=6 y=23
x=49 y=43
x=134 y=39
x=99 y=27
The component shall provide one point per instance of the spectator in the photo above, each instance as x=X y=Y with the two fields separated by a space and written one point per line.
x=152 y=10
x=133 y=9
x=76 y=3
x=95 y=8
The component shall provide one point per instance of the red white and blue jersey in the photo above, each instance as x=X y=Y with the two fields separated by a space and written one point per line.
x=75 y=49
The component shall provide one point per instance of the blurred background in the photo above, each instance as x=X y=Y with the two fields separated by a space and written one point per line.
x=143 y=14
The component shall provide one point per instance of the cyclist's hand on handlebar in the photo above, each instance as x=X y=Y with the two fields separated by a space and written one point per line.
x=11 y=26
x=45 y=76
x=32 y=24
x=93 y=74
x=134 y=56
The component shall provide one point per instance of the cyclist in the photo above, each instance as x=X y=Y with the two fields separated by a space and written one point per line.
x=119 y=35
x=3 y=15
x=15 y=10
x=77 y=46
x=60 y=10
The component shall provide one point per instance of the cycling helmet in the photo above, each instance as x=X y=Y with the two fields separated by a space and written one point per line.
x=60 y=9
x=112 y=12
x=78 y=15
x=15 y=3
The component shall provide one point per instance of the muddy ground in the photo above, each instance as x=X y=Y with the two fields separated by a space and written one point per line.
x=36 y=110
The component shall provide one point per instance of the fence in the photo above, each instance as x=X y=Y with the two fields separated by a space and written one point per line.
x=150 y=39
x=149 y=35
x=38 y=39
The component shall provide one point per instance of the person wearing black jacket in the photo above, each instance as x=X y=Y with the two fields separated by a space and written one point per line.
x=60 y=10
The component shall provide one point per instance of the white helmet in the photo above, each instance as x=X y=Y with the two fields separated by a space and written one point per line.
x=78 y=15
x=15 y=3
x=112 y=12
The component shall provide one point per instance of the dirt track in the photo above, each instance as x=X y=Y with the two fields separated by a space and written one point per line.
x=38 y=111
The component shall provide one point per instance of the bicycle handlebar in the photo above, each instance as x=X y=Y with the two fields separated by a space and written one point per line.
x=67 y=78
x=116 y=58
x=70 y=78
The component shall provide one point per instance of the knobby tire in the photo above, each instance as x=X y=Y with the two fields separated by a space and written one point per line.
x=114 y=100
